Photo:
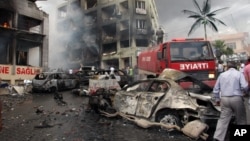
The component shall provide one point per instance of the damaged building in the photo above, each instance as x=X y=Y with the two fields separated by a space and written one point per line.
x=23 y=40
x=106 y=33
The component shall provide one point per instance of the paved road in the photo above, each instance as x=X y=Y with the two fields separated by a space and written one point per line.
x=39 y=117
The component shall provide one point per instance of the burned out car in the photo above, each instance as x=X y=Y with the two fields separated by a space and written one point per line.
x=120 y=75
x=54 y=81
x=164 y=100
x=86 y=75
x=172 y=106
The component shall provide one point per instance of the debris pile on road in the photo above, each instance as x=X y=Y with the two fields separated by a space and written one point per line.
x=194 y=129
x=11 y=101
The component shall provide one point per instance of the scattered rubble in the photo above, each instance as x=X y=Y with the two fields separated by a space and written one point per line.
x=10 y=101
x=194 y=129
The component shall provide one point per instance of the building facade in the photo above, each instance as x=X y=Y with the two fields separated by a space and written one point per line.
x=237 y=42
x=23 y=40
x=106 y=33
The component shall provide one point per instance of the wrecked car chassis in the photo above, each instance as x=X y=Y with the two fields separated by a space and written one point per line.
x=161 y=102
x=192 y=128
x=192 y=122
x=104 y=100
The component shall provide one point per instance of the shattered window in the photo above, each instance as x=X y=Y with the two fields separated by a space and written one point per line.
x=142 y=86
x=21 y=58
x=154 y=87
x=40 y=76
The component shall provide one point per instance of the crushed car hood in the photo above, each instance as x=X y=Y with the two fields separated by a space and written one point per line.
x=172 y=74
x=177 y=75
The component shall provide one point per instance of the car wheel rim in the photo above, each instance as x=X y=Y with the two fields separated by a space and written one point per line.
x=168 y=120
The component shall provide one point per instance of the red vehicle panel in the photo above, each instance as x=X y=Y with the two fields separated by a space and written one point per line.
x=193 y=56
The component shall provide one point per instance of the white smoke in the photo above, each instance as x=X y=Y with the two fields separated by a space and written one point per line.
x=58 y=43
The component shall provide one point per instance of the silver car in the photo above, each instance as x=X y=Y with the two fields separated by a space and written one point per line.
x=54 y=81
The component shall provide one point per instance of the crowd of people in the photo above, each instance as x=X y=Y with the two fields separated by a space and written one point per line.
x=221 y=67
x=231 y=87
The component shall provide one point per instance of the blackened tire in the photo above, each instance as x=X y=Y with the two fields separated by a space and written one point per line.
x=169 y=118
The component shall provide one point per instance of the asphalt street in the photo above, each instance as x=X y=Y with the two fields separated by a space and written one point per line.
x=40 y=117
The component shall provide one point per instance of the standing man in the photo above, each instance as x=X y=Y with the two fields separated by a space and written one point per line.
x=228 y=92
x=246 y=72
x=220 y=68
x=242 y=65
x=112 y=72
x=131 y=74
x=160 y=35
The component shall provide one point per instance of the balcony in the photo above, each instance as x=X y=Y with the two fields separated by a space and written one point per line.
x=141 y=31
x=140 y=11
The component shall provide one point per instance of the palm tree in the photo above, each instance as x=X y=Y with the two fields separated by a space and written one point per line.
x=204 y=16
x=221 y=48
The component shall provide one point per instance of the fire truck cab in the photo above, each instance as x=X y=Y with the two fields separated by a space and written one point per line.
x=192 y=56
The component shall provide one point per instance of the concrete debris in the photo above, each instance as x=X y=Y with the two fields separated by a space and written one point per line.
x=39 y=110
x=10 y=101
x=4 y=91
x=16 y=90
x=194 y=129
x=44 y=124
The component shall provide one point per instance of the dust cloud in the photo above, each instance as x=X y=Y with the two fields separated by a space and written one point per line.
x=69 y=39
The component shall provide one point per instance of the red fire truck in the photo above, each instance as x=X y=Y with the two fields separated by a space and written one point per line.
x=193 y=56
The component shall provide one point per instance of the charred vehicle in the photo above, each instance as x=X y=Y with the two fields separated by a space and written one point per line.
x=120 y=75
x=163 y=100
x=54 y=81
x=85 y=75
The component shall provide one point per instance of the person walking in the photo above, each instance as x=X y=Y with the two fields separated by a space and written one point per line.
x=229 y=91
x=220 y=68
x=246 y=72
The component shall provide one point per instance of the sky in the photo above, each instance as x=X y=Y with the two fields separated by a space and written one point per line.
x=177 y=24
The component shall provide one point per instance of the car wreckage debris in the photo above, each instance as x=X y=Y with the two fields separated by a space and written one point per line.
x=194 y=129
x=45 y=124
x=59 y=98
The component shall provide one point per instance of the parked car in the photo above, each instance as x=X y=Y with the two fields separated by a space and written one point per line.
x=120 y=75
x=54 y=81
x=85 y=75
x=173 y=105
